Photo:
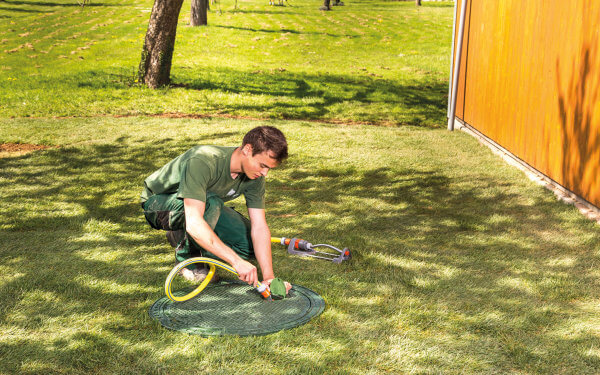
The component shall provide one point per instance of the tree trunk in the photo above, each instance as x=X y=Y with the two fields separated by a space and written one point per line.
x=418 y=2
x=155 y=66
x=198 y=14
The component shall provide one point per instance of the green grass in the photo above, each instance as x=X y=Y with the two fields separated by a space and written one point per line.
x=369 y=61
x=461 y=264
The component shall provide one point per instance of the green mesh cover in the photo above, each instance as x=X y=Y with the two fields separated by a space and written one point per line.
x=234 y=308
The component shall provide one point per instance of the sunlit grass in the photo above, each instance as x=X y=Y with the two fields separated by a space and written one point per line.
x=370 y=61
x=461 y=265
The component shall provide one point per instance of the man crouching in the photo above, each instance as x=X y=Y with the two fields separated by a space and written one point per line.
x=185 y=197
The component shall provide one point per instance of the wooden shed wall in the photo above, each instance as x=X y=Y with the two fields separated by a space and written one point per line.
x=530 y=81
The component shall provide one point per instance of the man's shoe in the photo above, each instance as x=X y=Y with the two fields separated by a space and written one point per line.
x=196 y=275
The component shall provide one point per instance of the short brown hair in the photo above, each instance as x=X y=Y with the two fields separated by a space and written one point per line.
x=267 y=138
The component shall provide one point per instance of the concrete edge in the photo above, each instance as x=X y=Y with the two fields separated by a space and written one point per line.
x=563 y=194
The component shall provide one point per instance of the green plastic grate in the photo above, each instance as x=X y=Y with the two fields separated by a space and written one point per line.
x=234 y=308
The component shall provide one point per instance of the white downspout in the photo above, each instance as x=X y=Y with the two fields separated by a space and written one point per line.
x=451 y=60
x=461 y=30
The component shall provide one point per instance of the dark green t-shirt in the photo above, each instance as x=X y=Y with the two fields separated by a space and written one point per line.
x=202 y=170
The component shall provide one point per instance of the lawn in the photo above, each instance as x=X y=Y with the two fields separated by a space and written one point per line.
x=254 y=61
x=461 y=264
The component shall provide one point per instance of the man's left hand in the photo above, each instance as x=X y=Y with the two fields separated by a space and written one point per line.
x=288 y=286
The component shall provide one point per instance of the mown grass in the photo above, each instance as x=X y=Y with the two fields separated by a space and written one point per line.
x=370 y=61
x=461 y=265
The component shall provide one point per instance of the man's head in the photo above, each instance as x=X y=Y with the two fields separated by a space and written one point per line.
x=267 y=138
x=264 y=147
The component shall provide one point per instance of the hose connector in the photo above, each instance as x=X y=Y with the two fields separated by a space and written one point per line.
x=263 y=290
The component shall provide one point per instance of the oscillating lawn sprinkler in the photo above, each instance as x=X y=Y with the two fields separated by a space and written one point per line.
x=297 y=246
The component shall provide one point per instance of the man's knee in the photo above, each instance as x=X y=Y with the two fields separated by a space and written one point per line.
x=164 y=211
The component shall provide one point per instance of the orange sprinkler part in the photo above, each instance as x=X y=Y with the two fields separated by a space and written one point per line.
x=297 y=246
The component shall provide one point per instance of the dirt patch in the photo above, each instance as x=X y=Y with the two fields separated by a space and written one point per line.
x=12 y=149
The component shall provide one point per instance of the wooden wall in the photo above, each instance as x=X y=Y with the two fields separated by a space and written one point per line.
x=530 y=81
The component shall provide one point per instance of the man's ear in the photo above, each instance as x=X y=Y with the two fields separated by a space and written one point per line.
x=247 y=150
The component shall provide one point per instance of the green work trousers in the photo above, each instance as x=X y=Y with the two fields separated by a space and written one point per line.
x=165 y=211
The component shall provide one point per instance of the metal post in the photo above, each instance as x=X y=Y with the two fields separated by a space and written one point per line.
x=459 y=43
x=451 y=60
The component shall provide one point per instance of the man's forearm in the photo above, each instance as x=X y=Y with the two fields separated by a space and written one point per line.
x=261 y=240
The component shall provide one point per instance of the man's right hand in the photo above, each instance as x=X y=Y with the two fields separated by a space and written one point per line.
x=246 y=272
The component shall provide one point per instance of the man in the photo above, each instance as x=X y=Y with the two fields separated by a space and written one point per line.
x=186 y=196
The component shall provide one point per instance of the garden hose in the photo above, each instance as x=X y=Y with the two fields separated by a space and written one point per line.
x=262 y=289
x=298 y=243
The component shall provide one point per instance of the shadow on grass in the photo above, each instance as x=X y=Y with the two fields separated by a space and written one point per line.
x=287 y=95
x=449 y=4
x=47 y=247
x=18 y=10
x=486 y=264
x=423 y=101
x=53 y=4
x=409 y=4
x=256 y=11
x=468 y=271
x=283 y=31
x=277 y=93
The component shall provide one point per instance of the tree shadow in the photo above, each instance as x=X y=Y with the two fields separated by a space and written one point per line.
x=283 y=31
x=256 y=11
x=467 y=263
x=53 y=4
x=414 y=103
x=438 y=5
x=577 y=106
x=88 y=201
x=469 y=271
x=18 y=10
x=425 y=100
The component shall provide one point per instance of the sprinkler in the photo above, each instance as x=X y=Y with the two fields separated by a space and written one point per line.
x=212 y=263
x=297 y=246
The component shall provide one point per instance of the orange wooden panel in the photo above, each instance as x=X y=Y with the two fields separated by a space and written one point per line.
x=530 y=81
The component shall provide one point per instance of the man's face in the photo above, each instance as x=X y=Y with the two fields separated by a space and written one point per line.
x=257 y=165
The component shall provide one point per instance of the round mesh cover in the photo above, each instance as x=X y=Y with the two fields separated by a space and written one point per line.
x=234 y=308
